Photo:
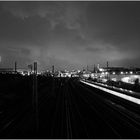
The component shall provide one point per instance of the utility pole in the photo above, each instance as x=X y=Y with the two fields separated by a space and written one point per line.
x=83 y=69
x=94 y=68
x=35 y=97
x=87 y=67
x=53 y=70
x=15 y=67
x=53 y=81
x=107 y=69
x=31 y=68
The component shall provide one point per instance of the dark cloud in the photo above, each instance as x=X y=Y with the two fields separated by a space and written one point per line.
x=69 y=32
x=115 y=21
x=69 y=13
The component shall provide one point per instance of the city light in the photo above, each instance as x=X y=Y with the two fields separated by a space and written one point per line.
x=126 y=79
x=122 y=72
x=131 y=72
x=114 y=79
x=101 y=69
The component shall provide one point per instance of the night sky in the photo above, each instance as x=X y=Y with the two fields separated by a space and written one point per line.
x=70 y=35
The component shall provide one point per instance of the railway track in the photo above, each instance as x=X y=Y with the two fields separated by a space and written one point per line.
x=70 y=109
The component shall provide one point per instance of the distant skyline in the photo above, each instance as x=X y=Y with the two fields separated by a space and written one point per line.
x=70 y=34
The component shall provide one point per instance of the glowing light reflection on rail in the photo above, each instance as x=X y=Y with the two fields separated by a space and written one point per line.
x=129 y=98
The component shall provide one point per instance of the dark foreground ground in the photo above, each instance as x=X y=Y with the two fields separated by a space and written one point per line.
x=66 y=109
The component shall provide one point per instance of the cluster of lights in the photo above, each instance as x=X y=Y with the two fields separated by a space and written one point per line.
x=123 y=72
x=115 y=73
x=29 y=73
